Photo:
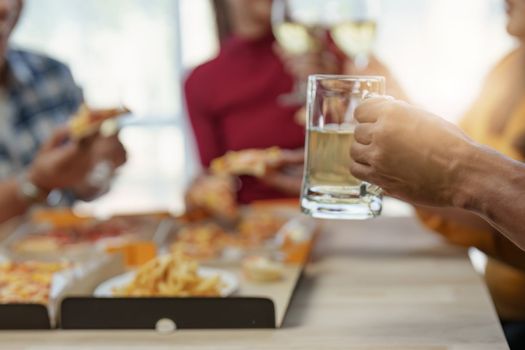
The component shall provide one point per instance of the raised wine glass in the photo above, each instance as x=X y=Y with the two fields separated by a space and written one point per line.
x=299 y=29
x=353 y=27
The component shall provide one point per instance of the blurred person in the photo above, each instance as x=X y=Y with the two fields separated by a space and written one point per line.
x=418 y=157
x=57 y=165
x=37 y=95
x=233 y=100
x=496 y=119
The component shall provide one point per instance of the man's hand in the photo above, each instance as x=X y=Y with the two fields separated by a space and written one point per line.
x=410 y=153
x=108 y=154
x=61 y=163
x=110 y=149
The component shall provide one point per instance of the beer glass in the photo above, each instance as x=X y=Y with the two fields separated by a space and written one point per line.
x=329 y=189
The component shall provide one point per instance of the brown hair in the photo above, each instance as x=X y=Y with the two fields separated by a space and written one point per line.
x=222 y=19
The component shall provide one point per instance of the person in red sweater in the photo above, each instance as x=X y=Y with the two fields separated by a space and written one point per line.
x=233 y=100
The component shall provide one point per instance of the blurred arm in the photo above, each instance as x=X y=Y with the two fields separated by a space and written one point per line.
x=466 y=229
x=494 y=187
x=11 y=202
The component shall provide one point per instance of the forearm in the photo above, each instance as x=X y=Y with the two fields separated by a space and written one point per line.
x=11 y=201
x=493 y=186
x=466 y=229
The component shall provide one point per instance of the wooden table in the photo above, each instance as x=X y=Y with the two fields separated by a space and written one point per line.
x=375 y=285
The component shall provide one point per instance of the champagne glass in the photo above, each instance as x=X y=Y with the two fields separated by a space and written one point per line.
x=298 y=28
x=329 y=189
x=354 y=26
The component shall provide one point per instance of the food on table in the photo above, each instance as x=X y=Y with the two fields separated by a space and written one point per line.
x=60 y=217
x=260 y=225
x=209 y=240
x=205 y=241
x=56 y=239
x=296 y=241
x=27 y=282
x=254 y=162
x=87 y=122
x=171 y=275
x=216 y=195
x=135 y=253
x=262 y=269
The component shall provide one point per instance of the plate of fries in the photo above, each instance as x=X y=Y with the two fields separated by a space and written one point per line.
x=170 y=276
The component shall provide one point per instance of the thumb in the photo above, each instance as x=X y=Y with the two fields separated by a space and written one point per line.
x=59 y=137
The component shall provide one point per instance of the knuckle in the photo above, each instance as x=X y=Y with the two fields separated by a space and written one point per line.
x=376 y=156
x=391 y=109
x=379 y=130
x=355 y=169
x=354 y=151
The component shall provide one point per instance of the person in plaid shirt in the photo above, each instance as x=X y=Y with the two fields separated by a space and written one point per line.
x=37 y=97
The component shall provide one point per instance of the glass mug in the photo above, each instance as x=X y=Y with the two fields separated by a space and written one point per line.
x=329 y=190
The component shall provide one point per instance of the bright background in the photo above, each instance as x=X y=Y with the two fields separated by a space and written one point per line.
x=137 y=52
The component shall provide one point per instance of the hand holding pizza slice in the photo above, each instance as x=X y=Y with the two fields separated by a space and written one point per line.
x=87 y=122
x=254 y=162
x=216 y=195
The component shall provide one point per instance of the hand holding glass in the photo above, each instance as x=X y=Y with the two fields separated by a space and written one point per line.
x=329 y=189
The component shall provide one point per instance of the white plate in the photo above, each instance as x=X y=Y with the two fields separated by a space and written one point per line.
x=229 y=281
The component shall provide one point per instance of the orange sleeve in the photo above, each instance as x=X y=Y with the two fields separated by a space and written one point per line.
x=490 y=242
x=456 y=233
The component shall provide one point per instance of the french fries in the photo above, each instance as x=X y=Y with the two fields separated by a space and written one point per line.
x=172 y=275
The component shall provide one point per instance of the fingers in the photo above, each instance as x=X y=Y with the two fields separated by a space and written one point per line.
x=361 y=153
x=59 y=137
x=109 y=112
x=371 y=109
x=363 y=133
x=88 y=141
x=292 y=157
x=110 y=148
x=283 y=182
x=367 y=111
x=361 y=171
x=120 y=156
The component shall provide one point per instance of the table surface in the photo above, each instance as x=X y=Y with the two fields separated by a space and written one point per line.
x=384 y=284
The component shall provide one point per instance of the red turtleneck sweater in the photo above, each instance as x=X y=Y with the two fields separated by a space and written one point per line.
x=232 y=103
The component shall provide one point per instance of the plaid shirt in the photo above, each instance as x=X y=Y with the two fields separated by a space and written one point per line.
x=40 y=94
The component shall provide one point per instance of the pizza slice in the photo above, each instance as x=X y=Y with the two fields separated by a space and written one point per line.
x=254 y=162
x=87 y=122
x=27 y=282
x=216 y=195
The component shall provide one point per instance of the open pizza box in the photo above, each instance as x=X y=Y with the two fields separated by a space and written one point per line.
x=251 y=305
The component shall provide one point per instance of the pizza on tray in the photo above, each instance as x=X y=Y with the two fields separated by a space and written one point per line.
x=27 y=282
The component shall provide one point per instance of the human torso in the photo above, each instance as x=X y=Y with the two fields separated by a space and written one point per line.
x=245 y=84
x=37 y=96
x=497 y=118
